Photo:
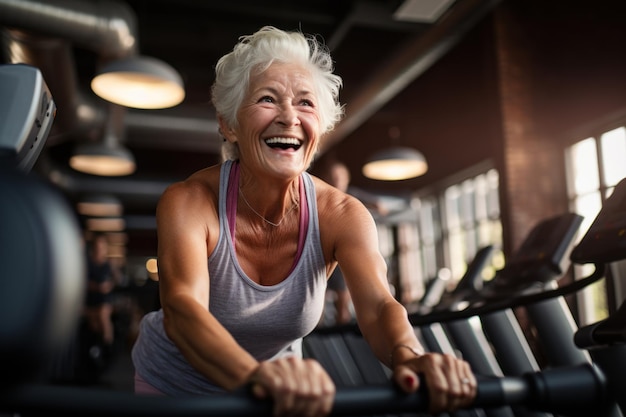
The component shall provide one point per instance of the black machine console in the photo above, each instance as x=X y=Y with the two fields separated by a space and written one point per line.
x=542 y=257
x=605 y=241
x=27 y=111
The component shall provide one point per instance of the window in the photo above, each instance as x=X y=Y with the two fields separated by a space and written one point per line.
x=471 y=221
x=594 y=166
x=452 y=222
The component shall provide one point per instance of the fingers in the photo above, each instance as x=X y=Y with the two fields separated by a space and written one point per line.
x=406 y=379
x=450 y=381
x=460 y=381
x=298 y=387
x=468 y=383
x=303 y=388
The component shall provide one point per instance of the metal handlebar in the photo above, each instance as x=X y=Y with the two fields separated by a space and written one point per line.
x=574 y=391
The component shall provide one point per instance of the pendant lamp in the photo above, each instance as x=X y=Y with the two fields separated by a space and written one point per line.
x=140 y=82
x=100 y=205
x=108 y=157
x=395 y=164
x=103 y=159
x=105 y=224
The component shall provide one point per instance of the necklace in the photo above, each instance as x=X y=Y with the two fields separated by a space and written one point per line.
x=293 y=205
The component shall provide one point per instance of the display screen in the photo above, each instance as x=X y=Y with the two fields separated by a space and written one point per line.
x=605 y=241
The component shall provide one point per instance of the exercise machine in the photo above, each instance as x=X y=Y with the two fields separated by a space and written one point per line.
x=41 y=278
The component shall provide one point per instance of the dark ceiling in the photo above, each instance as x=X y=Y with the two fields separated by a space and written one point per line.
x=376 y=53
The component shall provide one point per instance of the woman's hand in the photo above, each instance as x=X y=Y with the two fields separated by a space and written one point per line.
x=299 y=387
x=450 y=381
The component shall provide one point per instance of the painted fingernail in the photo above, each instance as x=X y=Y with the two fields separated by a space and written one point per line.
x=408 y=380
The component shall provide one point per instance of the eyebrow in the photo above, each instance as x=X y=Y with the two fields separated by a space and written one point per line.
x=272 y=90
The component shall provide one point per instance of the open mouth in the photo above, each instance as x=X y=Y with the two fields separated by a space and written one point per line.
x=283 y=143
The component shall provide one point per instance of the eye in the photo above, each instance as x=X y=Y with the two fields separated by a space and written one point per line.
x=266 y=99
x=307 y=102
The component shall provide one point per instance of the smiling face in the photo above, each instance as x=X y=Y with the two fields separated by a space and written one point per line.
x=279 y=124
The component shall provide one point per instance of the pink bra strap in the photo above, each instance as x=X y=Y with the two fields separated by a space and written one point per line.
x=231 y=198
x=304 y=223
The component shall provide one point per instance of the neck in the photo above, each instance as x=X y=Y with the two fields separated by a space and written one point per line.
x=262 y=207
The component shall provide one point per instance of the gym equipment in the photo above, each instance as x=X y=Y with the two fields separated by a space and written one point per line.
x=527 y=281
x=40 y=302
x=494 y=344
x=575 y=391
x=547 y=260
x=27 y=112
x=40 y=289
x=470 y=342
x=540 y=260
x=469 y=286
x=41 y=275
x=322 y=342
x=606 y=342
x=605 y=242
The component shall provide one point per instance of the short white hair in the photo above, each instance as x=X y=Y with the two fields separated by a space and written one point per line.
x=257 y=52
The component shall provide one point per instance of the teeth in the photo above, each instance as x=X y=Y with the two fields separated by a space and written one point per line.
x=283 y=141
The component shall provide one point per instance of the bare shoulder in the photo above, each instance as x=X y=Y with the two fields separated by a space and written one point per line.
x=337 y=204
x=197 y=191
x=342 y=218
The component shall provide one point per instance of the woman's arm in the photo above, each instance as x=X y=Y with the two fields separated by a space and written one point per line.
x=381 y=318
x=186 y=223
x=384 y=321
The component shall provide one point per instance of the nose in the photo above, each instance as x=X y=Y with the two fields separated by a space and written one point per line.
x=288 y=115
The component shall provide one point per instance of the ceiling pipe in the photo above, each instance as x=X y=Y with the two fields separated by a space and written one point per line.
x=169 y=130
x=42 y=33
x=108 y=28
x=128 y=189
x=409 y=63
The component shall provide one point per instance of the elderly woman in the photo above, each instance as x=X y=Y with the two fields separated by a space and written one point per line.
x=246 y=248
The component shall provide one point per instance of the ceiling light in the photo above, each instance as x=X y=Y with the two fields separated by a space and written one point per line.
x=100 y=205
x=103 y=159
x=428 y=11
x=397 y=163
x=105 y=224
x=139 y=82
x=108 y=157
x=153 y=269
x=152 y=266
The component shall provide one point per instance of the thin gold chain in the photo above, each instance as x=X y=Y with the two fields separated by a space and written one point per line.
x=293 y=205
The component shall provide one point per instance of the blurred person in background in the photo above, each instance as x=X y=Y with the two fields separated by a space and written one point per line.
x=102 y=277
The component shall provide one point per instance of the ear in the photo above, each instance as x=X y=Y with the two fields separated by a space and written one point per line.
x=225 y=130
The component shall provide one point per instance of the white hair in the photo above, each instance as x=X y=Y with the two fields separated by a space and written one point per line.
x=257 y=52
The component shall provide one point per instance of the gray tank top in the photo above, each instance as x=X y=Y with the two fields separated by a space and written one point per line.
x=267 y=321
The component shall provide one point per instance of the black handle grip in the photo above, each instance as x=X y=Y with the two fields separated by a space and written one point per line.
x=569 y=391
